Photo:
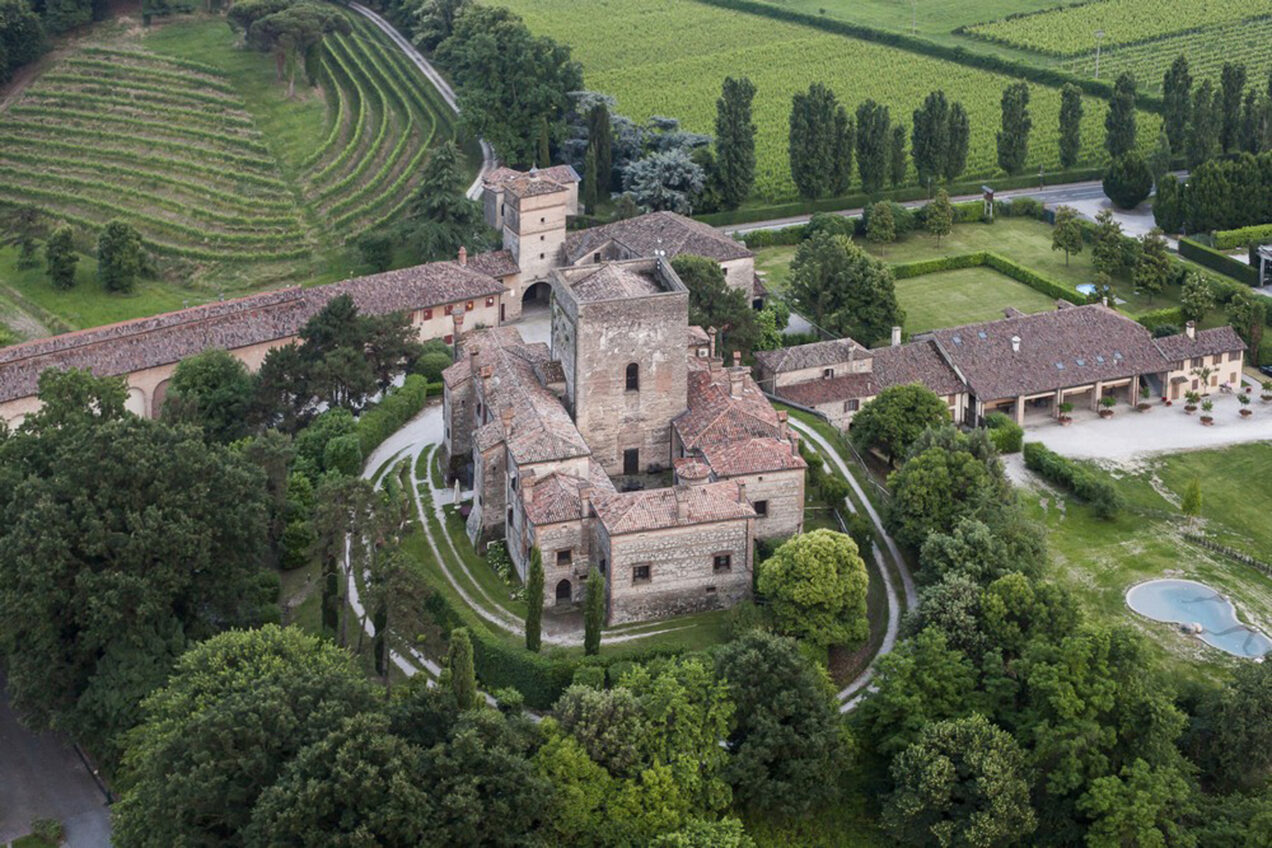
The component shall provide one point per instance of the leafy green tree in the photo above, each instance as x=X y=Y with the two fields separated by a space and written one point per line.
x=1014 y=611
x=1177 y=102
x=1067 y=233
x=119 y=257
x=1191 y=503
x=1141 y=806
x=1247 y=313
x=931 y=138
x=356 y=784
x=881 y=229
x=1128 y=181
x=508 y=80
x=735 y=141
x=544 y=154
x=939 y=215
x=60 y=258
x=895 y=417
x=841 y=287
x=608 y=723
x=1232 y=80
x=62 y=15
x=815 y=585
x=1233 y=728
x=593 y=612
x=213 y=390
x=1160 y=159
x=237 y=709
x=785 y=746
x=1206 y=124
x=534 y=601
x=714 y=303
x=1070 y=125
x=933 y=490
x=873 y=129
x=1168 y=207
x=959 y=133
x=1107 y=252
x=600 y=138
x=1196 y=299
x=22 y=37
x=434 y=21
x=1153 y=269
x=896 y=155
x=820 y=142
x=20 y=224
x=1013 y=138
x=962 y=783
x=459 y=662
x=294 y=34
x=701 y=833
x=970 y=548
x=1119 y=121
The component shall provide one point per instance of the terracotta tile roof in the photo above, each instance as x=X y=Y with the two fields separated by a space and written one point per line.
x=1207 y=343
x=916 y=362
x=1067 y=347
x=530 y=185
x=678 y=506
x=698 y=336
x=691 y=468
x=558 y=496
x=119 y=349
x=644 y=234
x=494 y=263
x=752 y=456
x=817 y=392
x=613 y=282
x=459 y=372
x=713 y=415
x=563 y=174
x=815 y=355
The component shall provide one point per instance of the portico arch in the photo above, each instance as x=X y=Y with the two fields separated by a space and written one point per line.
x=563 y=592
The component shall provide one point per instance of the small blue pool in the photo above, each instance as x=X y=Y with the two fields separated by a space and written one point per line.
x=1195 y=605
x=1086 y=288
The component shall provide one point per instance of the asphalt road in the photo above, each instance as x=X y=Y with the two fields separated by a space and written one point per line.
x=42 y=777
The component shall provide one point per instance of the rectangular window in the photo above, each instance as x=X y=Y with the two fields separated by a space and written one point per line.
x=711 y=590
x=540 y=255
x=722 y=562
x=827 y=373
x=428 y=313
x=596 y=257
x=1234 y=356
x=761 y=508
x=852 y=405
x=448 y=338
x=563 y=558
x=450 y=307
x=468 y=307
x=1198 y=361
x=640 y=574
x=631 y=461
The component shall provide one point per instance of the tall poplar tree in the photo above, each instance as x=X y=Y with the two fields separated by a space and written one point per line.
x=1205 y=125
x=1119 y=123
x=818 y=129
x=1013 y=138
x=1232 y=80
x=1177 y=102
x=958 y=132
x=930 y=140
x=873 y=128
x=896 y=155
x=735 y=141
x=841 y=152
x=1070 y=125
x=593 y=612
x=591 y=189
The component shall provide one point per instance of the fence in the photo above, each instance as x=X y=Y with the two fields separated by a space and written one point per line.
x=1231 y=553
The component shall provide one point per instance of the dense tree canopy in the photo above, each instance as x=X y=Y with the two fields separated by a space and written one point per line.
x=714 y=303
x=815 y=585
x=892 y=421
x=844 y=289
x=212 y=390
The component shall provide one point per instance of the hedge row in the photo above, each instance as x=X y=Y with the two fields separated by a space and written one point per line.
x=1056 y=469
x=393 y=411
x=906 y=270
x=1228 y=239
x=999 y=263
x=1168 y=316
x=1216 y=261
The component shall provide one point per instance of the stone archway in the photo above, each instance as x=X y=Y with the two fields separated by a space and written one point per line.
x=161 y=394
x=136 y=402
x=537 y=296
x=563 y=592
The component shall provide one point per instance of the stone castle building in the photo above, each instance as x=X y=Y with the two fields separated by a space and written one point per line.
x=624 y=445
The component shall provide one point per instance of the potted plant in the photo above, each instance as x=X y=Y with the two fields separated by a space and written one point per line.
x=1244 y=400
x=1191 y=399
x=1064 y=418
x=1267 y=391
x=1206 y=418
x=1108 y=402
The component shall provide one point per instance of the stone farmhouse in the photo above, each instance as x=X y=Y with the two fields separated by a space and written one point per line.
x=529 y=209
x=1023 y=365
x=624 y=445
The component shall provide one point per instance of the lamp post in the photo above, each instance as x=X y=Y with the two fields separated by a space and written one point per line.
x=1099 y=35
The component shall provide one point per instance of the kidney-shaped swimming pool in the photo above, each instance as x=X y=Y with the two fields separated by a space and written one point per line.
x=1188 y=602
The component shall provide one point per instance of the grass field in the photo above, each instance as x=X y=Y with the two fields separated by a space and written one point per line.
x=964 y=296
x=669 y=57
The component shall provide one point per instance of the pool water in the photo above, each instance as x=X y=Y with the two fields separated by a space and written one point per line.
x=1187 y=602
x=1086 y=288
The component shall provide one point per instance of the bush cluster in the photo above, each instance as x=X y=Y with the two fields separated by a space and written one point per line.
x=1216 y=261
x=1228 y=239
x=1056 y=469
x=1006 y=434
x=397 y=407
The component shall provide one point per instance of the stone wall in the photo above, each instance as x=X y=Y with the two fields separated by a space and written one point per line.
x=784 y=492
x=572 y=536
x=534 y=231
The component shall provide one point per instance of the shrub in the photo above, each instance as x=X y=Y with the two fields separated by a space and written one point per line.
x=1006 y=434
x=1228 y=239
x=343 y=454
x=1170 y=316
x=1056 y=469
x=50 y=830
x=392 y=412
x=298 y=541
x=1128 y=181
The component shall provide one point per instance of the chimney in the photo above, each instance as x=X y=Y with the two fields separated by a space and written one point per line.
x=794 y=437
x=737 y=358
x=711 y=333
x=682 y=504
x=463 y=255
x=459 y=325
x=585 y=501
x=487 y=371
x=1191 y=329
x=742 y=493
x=1105 y=300
x=1015 y=344
x=896 y=336
x=505 y=415
x=735 y=383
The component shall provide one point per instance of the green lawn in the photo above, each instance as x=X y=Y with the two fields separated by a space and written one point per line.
x=964 y=296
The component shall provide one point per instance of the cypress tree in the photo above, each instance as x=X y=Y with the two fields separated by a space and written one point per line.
x=1177 y=103
x=1232 y=80
x=873 y=129
x=593 y=612
x=601 y=138
x=1168 y=212
x=379 y=620
x=1119 y=123
x=958 y=132
x=931 y=138
x=896 y=155
x=60 y=258
x=1070 y=125
x=940 y=215
x=330 y=605
x=534 y=600
x=1190 y=505
x=735 y=141
x=459 y=660
x=1013 y=138
x=591 y=191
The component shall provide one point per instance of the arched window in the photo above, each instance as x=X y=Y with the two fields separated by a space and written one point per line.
x=633 y=377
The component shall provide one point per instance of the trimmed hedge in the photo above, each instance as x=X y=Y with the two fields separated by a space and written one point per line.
x=1054 y=468
x=1216 y=261
x=906 y=270
x=1228 y=239
x=1004 y=432
x=999 y=263
x=1155 y=318
x=393 y=411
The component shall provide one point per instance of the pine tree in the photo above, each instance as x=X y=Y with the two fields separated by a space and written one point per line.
x=1119 y=122
x=545 y=148
x=459 y=662
x=1177 y=102
x=930 y=140
x=119 y=257
x=593 y=612
x=1013 y=138
x=1190 y=505
x=1232 y=80
x=735 y=141
x=1205 y=125
x=896 y=155
x=940 y=215
x=534 y=600
x=1067 y=233
x=1070 y=125
x=958 y=132
x=590 y=179
x=600 y=137
x=60 y=258
x=873 y=130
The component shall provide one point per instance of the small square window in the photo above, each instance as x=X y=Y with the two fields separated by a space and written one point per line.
x=640 y=574
x=468 y=307
x=543 y=238
x=564 y=558
x=450 y=307
x=827 y=373
x=852 y=405
x=542 y=220
x=723 y=562
x=761 y=508
x=541 y=256
x=428 y=313
x=490 y=301
x=596 y=257
x=448 y=338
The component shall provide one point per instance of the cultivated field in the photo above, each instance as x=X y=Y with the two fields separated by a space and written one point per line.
x=669 y=57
